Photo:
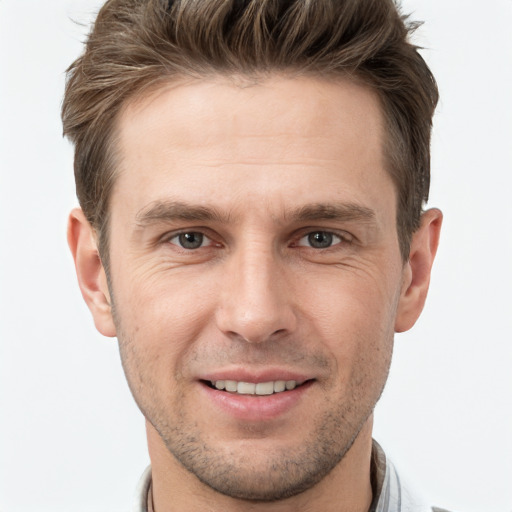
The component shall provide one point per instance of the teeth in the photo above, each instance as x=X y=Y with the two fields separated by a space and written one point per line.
x=264 y=388
x=246 y=388
x=279 y=385
x=290 y=384
x=250 y=388
x=231 y=385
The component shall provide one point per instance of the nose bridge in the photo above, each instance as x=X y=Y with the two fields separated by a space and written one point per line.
x=255 y=303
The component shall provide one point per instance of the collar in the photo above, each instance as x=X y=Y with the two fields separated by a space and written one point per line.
x=389 y=492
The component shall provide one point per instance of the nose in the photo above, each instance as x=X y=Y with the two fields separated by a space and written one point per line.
x=255 y=301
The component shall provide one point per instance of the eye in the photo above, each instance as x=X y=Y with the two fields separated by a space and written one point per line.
x=320 y=240
x=190 y=240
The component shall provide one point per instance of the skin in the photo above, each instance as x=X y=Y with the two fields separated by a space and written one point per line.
x=256 y=172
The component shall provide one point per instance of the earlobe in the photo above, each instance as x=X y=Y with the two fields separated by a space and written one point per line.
x=417 y=270
x=90 y=272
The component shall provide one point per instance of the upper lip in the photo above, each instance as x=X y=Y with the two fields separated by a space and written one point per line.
x=255 y=376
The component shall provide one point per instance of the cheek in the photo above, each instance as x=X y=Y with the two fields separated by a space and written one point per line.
x=357 y=332
x=350 y=300
x=353 y=315
x=159 y=318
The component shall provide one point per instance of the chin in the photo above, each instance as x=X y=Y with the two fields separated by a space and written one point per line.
x=277 y=479
x=260 y=470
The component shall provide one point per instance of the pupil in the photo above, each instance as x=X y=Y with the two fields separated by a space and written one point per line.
x=320 y=239
x=191 y=240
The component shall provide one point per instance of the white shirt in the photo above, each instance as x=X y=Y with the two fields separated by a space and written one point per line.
x=393 y=495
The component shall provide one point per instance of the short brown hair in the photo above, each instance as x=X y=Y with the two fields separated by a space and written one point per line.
x=136 y=45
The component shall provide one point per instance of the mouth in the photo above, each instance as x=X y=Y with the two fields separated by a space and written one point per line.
x=269 y=397
x=255 y=388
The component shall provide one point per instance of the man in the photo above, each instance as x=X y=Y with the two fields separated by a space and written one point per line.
x=252 y=176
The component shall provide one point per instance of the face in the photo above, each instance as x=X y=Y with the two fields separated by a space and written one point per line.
x=255 y=275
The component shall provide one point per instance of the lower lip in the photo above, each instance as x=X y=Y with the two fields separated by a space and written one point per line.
x=256 y=408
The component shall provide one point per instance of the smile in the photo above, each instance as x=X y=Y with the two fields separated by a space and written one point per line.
x=251 y=388
x=258 y=401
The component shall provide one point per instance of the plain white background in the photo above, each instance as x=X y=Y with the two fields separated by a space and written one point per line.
x=71 y=437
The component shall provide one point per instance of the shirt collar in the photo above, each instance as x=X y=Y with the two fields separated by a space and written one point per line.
x=389 y=492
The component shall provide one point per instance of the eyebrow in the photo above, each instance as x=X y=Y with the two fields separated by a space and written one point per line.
x=171 y=211
x=333 y=211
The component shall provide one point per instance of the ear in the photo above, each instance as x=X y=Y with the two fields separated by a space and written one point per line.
x=417 y=270
x=90 y=272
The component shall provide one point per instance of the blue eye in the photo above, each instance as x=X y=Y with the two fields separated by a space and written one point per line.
x=190 y=240
x=319 y=240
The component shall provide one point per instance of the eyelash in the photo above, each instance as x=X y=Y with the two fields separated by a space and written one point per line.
x=334 y=239
x=177 y=236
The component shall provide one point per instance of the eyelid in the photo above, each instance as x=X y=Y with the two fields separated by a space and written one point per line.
x=204 y=242
x=344 y=236
x=206 y=233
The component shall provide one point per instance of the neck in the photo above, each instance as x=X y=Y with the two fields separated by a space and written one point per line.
x=347 y=488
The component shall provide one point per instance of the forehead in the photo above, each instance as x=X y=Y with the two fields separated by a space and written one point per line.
x=203 y=110
x=280 y=138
